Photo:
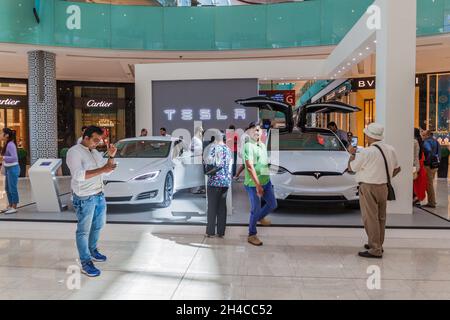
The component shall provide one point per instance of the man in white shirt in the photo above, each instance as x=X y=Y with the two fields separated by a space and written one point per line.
x=371 y=175
x=242 y=141
x=196 y=148
x=87 y=167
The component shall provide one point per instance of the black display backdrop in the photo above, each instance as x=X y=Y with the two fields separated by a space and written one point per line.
x=177 y=104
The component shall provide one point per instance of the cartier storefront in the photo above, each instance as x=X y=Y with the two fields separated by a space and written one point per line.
x=106 y=105
x=14 y=109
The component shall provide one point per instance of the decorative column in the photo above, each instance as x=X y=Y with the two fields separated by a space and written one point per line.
x=395 y=83
x=42 y=105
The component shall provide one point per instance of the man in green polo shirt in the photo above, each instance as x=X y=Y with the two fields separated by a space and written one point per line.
x=257 y=183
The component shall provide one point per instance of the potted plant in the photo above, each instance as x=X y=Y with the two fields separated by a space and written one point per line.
x=22 y=155
x=62 y=155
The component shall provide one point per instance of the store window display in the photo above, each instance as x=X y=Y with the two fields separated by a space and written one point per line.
x=103 y=107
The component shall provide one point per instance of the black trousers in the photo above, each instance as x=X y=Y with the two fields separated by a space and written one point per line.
x=217 y=210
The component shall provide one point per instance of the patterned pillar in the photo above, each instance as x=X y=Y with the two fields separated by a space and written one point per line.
x=42 y=105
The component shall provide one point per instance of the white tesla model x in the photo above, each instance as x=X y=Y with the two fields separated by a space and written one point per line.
x=149 y=171
x=308 y=164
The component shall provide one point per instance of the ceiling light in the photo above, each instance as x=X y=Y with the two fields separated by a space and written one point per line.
x=354 y=59
x=360 y=53
x=348 y=63
x=374 y=41
x=367 y=48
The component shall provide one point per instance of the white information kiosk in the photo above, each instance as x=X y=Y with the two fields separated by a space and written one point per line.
x=44 y=185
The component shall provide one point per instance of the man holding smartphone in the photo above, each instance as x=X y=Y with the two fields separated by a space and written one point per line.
x=87 y=167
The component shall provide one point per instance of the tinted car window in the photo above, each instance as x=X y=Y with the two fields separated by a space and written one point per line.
x=319 y=141
x=143 y=149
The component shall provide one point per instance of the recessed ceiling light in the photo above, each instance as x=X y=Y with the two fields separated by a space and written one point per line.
x=348 y=63
x=360 y=54
x=367 y=48
x=339 y=71
x=374 y=41
x=354 y=59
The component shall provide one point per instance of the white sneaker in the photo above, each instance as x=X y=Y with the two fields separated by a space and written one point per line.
x=10 y=211
x=4 y=210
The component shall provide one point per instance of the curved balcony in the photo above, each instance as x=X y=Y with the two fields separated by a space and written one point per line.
x=149 y=27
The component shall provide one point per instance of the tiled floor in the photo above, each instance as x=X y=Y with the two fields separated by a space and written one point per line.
x=442 y=187
x=177 y=262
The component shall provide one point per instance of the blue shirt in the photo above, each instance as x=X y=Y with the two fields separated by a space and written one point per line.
x=222 y=178
x=431 y=148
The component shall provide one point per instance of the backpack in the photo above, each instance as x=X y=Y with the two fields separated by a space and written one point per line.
x=434 y=159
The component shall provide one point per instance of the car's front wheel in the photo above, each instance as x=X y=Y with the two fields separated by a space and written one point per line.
x=168 y=191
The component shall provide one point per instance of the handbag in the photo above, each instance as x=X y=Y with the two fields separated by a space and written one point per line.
x=211 y=168
x=391 y=191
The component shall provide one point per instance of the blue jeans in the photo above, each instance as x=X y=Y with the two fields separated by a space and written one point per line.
x=91 y=215
x=11 y=180
x=256 y=212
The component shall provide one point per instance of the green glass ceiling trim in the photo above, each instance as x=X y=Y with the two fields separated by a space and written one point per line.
x=287 y=25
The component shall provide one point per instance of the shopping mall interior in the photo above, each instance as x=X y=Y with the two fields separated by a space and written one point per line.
x=183 y=65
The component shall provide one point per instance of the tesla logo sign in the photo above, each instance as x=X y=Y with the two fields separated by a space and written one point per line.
x=73 y=22
x=204 y=114
x=9 y=102
x=317 y=175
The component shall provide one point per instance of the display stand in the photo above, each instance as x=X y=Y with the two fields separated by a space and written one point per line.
x=44 y=185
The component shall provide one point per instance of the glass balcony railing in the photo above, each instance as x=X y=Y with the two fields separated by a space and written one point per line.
x=173 y=25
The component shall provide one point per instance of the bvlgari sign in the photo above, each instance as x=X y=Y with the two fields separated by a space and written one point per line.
x=12 y=101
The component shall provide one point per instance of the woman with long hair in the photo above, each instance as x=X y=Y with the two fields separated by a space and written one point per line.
x=420 y=176
x=11 y=169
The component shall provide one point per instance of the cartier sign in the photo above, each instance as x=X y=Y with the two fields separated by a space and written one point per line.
x=97 y=104
x=12 y=101
x=9 y=102
x=92 y=103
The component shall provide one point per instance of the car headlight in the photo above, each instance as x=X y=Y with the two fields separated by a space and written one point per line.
x=147 y=176
x=273 y=169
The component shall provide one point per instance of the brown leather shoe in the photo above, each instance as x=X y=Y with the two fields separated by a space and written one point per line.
x=367 y=254
x=367 y=247
x=254 y=241
x=265 y=222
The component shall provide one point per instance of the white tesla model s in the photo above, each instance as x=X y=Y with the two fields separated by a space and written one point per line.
x=308 y=164
x=149 y=171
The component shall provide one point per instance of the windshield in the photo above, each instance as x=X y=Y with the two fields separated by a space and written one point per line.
x=143 y=149
x=314 y=141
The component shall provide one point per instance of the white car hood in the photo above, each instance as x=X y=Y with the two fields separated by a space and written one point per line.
x=329 y=161
x=129 y=168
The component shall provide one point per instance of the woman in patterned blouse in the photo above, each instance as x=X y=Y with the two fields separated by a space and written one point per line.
x=218 y=185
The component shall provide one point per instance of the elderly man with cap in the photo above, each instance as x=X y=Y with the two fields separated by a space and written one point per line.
x=371 y=175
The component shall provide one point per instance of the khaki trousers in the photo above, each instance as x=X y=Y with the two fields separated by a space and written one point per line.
x=431 y=195
x=373 y=200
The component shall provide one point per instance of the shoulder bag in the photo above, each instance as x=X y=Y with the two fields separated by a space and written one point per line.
x=391 y=191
